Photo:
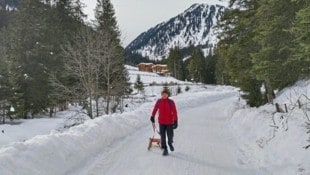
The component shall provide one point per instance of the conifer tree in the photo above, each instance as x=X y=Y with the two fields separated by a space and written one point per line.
x=211 y=68
x=114 y=75
x=5 y=86
x=301 y=31
x=65 y=20
x=235 y=47
x=221 y=72
x=264 y=43
x=175 y=63
x=105 y=16
x=274 y=38
x=29 y=52
x=139 y=84
x=35 y=36
x=197 y=66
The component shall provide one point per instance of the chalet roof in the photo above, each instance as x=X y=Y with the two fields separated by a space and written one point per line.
x=146 y=64
x=161 y=65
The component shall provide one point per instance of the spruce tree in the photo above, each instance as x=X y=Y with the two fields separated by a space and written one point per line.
x=29 y=52
x=235 y=47
x=175 y=63
x=263 y=43
x=301 y=31
x=114 y=75
x=5 y=86
x=65 y=20
x=197 y=66
x=105 y=17
x=139 y=84
x=36 y=35
x=273 y=36
x=221 y=72
x=211 y=68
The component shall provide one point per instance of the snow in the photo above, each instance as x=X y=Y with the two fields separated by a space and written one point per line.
x=198 y=147
x=217 y=134
x=46 y=153
x=277 y=146
x=186 y=38
x=22 y=130
x=149 y=77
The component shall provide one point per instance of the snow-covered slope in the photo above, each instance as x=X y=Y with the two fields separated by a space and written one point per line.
x=275 y=141
x=148 y=77
x=192 y=27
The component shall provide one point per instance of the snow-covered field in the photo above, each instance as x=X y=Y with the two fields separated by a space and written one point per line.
x=22 y=130
x=217 y=134
x=148 y=77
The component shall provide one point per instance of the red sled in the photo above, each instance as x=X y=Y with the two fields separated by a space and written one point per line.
x=153 y=139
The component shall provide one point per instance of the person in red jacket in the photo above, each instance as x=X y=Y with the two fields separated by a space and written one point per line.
x=167 y=119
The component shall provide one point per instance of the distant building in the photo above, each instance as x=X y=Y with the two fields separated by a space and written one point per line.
x=160 y=68
x=150 y=67
x=146 y=67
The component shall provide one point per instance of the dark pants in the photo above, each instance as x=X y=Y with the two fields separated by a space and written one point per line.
x=166 y=130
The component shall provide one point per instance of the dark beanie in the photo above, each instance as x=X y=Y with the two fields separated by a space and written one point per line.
x=166 y=91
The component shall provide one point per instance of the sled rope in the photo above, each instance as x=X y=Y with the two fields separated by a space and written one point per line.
x=155 y=129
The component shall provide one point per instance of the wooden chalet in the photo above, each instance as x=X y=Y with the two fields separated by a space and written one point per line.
x=161 y=69
x=146 y=67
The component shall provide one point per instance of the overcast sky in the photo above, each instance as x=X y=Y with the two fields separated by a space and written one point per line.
x=137 y=16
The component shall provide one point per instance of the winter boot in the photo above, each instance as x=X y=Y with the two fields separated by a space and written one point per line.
x=171 y=147
x=165 y=153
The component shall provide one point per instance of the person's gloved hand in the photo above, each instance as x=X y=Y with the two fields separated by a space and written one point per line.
x=152 y=119
x=175 y=124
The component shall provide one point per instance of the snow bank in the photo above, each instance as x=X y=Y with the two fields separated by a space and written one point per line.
x=60 y=152
x=291 y=95
x=274 y=141
x=22 y=130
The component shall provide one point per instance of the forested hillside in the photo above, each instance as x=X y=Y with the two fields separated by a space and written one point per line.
x=264 y=44
x=50 y=57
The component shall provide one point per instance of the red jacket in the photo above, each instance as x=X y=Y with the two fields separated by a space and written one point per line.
x=167 y=111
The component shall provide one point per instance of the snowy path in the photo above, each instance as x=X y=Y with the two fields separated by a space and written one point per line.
x=203 y=145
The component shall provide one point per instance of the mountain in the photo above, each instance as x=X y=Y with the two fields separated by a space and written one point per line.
x=193 y=27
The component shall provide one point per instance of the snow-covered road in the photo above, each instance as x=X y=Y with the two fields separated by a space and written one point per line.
x=203 y=145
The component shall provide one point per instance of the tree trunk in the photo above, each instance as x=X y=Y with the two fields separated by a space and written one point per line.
x=90 y=112
x=97 y=90
x=108 y=103
x=97 y=106
x=269 y=92
x=51 y=112
x=3 y=116
x=175 y=69
x=122 y=103
x=108 y=86
x=25 y=110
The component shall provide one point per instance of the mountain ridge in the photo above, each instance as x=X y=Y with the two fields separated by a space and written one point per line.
x=193 y=27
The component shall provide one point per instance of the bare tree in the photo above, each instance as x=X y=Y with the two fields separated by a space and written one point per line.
x=112 y=73
x=96 y=62
x=82 y=64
